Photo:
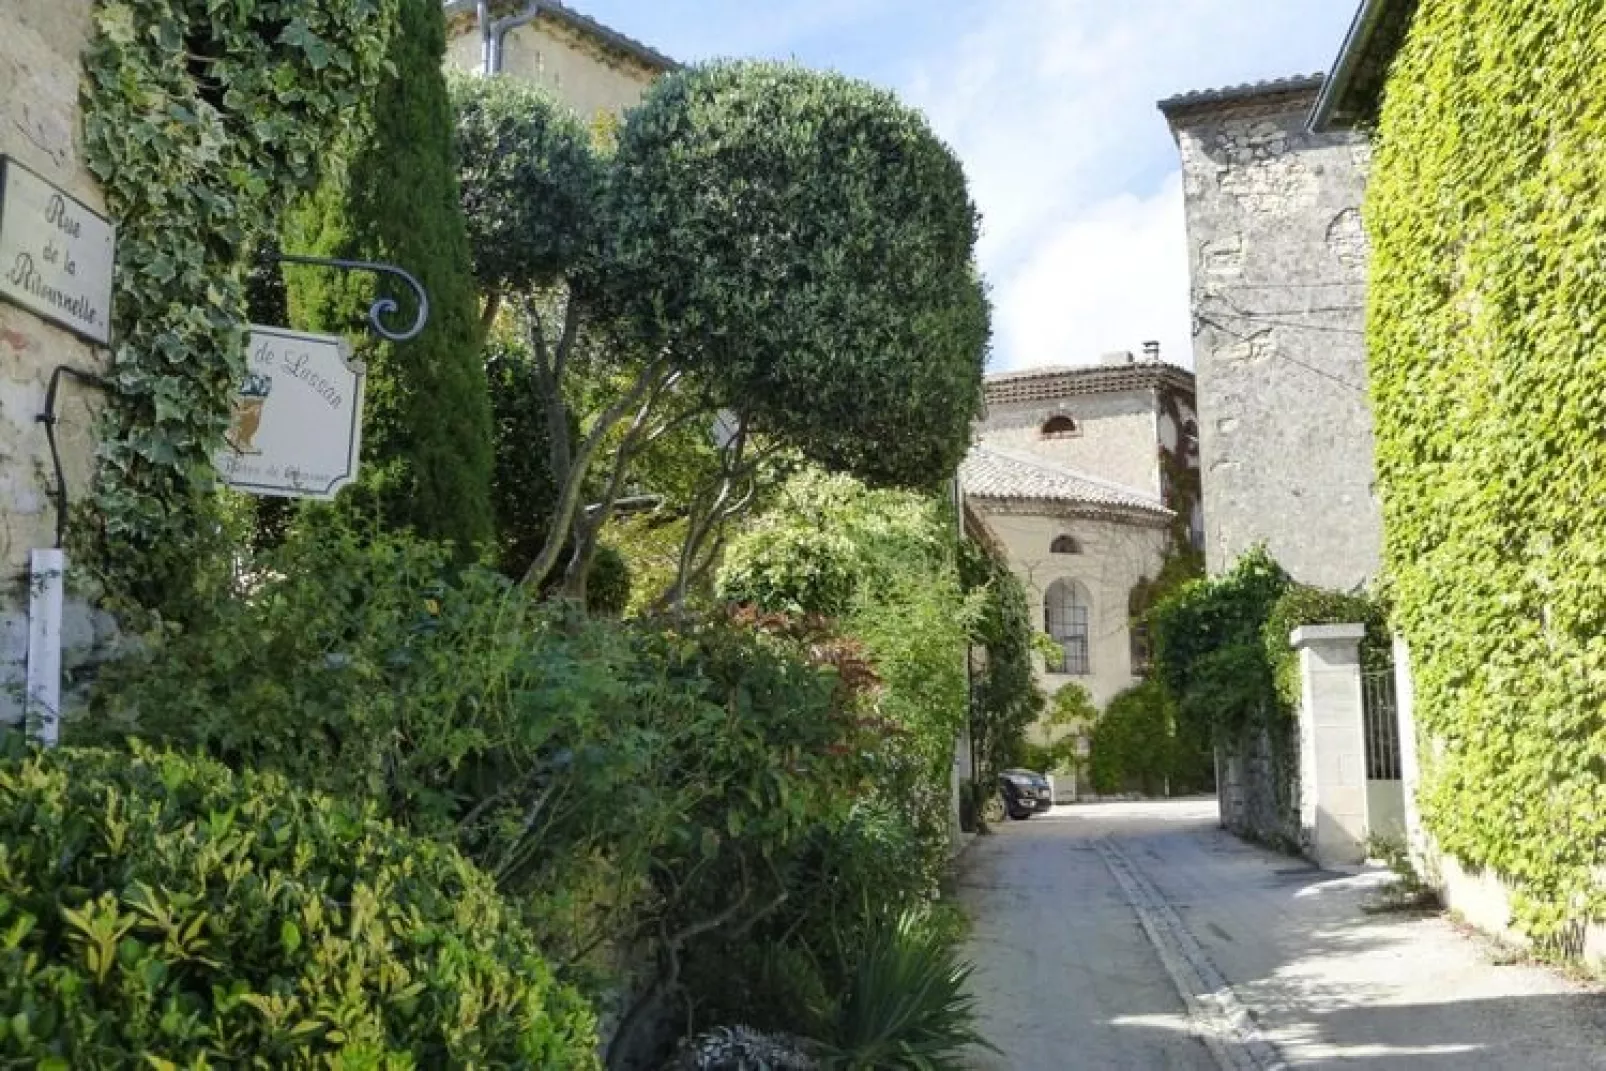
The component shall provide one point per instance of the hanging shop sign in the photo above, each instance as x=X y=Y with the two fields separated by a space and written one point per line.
x=295 y=429
x=56 y=254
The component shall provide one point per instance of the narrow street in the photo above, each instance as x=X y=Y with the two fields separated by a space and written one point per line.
x=1141 y=935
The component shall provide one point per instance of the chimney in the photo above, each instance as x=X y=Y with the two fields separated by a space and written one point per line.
x=1117 y=358
x=1151 y=351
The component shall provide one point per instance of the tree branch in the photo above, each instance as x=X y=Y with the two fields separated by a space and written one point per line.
x=574 y=479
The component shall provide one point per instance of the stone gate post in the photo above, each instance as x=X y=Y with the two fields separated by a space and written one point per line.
x=1332 y=741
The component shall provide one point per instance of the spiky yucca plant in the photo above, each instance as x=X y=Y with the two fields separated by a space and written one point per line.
x=907 y=1008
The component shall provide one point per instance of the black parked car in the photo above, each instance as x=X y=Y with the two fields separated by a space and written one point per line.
x=1025 y=793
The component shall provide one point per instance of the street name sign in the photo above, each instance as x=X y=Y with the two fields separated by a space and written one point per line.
x=56 y=254
x=295 y=429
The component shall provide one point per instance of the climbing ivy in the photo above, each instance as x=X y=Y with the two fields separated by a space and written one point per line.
x=1208 y=649
x=201 y=120
x=1488 y=216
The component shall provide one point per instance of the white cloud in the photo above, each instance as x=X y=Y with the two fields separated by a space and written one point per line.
x=1051 y=105
x=1108 y=277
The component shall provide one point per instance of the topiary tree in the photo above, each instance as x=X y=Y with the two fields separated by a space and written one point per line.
x=790 y=248
x=162 y=912
x=427 y=430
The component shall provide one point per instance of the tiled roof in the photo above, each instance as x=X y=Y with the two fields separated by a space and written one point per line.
x=996 y=473
x=1040 y=384
x=585 y=24
x=1249 y=91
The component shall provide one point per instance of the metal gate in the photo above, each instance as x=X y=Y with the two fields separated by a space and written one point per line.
x=1382 y=725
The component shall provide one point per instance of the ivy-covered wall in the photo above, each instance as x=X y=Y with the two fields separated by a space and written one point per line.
x=1488 y=372
x=201 y=122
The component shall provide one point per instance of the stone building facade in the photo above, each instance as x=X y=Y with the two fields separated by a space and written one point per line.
x=1278 y=263
x=1081 y=476
x=40 y=126
x=596 y=70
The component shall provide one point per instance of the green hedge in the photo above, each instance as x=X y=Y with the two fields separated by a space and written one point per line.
x=1140 y=745
x=1488 y=216
x=157 y=911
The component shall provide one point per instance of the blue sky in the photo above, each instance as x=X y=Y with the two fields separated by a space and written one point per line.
x=1050 y=103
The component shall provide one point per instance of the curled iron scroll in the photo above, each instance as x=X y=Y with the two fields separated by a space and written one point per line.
x=382 y=307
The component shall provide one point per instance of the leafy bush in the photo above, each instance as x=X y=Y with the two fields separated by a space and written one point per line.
x=161 y=912
x=1140 y=745
x=1209 y=650
x=906 y=1007
x=608 y=584
x=883 y=563
x=363 y=665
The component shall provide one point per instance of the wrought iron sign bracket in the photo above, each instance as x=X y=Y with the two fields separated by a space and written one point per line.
x=382 y=307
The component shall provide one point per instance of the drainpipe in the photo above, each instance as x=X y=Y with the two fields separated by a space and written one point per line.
x=494 y=32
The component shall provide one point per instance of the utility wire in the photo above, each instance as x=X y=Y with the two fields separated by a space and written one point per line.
x=1323 y=328
x=1340 y=380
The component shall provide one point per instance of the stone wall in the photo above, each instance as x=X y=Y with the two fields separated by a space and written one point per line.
x=1258 y=782
x=40 y=128
x=1278 y=260
x=591 y=78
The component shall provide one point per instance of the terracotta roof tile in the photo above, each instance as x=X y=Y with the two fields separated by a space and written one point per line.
x=1204 y=98
x=993 y=472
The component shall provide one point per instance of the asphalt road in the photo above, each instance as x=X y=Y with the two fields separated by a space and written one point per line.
x=1141 y=936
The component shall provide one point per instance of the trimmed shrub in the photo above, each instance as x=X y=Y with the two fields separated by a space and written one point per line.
x=158 y=911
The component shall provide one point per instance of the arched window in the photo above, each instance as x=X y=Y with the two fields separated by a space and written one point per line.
x=1060 y=427
x=1065 y=545
x=1065 y=619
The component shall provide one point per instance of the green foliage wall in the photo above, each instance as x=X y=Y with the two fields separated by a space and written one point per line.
x=201 y=122
x=1487 y=212
x=427 y=446
x=1304 y=605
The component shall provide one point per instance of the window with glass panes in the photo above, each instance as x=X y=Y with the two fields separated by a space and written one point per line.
x=1065 y=619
